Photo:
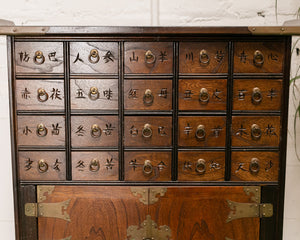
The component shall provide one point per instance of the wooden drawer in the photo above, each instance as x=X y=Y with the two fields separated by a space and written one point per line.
x=148 y=95
x=148 y=166
x=201 y=166
x=95 y=166
x=148 y=57
x=258 y=57
x=147 y=131
x=42 y=166
x=40 y=94
x=94 y=57
x=203 y=57
x=41 y=130
x=254 y=166
x=202 y=94
x=95 y=94
x=202 y=131
x=94 y=131
x=256 y=131
x=39 y=58
x=257 y=95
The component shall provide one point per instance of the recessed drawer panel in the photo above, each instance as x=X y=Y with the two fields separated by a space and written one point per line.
x=202 y=131
x=201 y=166
x=203 y=57
x=196 y=94
x=148 y=131
x=149 y=57
x=42 y=166
x=97 y=166
x=148 y=166
x=148 y=94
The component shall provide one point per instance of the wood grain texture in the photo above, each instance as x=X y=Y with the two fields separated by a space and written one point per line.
x=189 y=94
x=134 y=164
x=189 y=57
x=108 y=166
x=134 y=92
x=214 y=164
x=163 y=52
x=108 y=58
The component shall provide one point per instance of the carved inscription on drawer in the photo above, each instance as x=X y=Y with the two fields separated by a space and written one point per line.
x=203 y=57
x=94 y=57
x=98 y=166
x=255 y=131
x=149 y=57
x=40 y=94
x=202 y=131
x=39 y=57
x=148 y=94
x=41 y=130
x=94 y=131
x=94 y=94
x=258 y=57
x=148 y=166
x=42 y=166
x=196 y=94
x=201 y=166
x=257 y=94
x=148 y=131
x=254 y=166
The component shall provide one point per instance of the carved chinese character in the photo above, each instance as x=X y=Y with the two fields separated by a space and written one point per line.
x=52 y=57
x=220 y=56
x=26 y=131
x=189 y=56
x=134 y=58
x=55 y=129
x=132 y=93
x=163 y=56
x=134 y=131
x=242 y=94
x=161 y=166
x=163 y=93
x=78 y=58
x=108 y=130
x=107 y=93
x=243 y=57
x=56 y=165
x=216 y=131
x=79 y=93
x=80 y=165
x=269 y=165
x=55 y=94
x=270 y=130
x=133 y=164
x=28 y=164
x=214 y=165
x=187 y=165
x=108 y=57
x=272 y=93
x=187 y=94
x=187 y=129
x=161 y=131
x=241 y=131
x=273 y=57
x=241 y=167
x=80 y=131
x=216 y=94
x=24 y=56
x=25 y=93
x=109 y=164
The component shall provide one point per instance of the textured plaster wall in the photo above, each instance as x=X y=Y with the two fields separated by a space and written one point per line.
x=146 y=13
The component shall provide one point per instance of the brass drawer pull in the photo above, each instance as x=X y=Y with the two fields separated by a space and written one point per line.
x=41 y=130
x=147 y=131
x=148 y=97
x=42 y=95
x=258 y=58
x=39 y=58
x=203 y=57
x=200 y=166
x=256 y=132
x=200 y=132
x=94 y=165
x=204 y=96
x=94 y=93
x=149 y=57
x=254 y=166
x=43 y=166
x=96 y=131
x=256 y=95
x=94 y=56
x=147 y=168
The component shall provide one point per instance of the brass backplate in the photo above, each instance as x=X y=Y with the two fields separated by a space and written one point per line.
x=148 y=195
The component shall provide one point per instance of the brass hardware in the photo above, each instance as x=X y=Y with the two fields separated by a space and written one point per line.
x=41 y=130
x=96 y=131
x=200 y=132
x=94 y=56
x=254 y=166
x=254 y=191
x=256 y=95
x=67 y=238
x=227 y=238
x=256 y=132
x=200 y=166
x=148 y=195
x=94 y=165
x=278 y=30
x=41 y=190
x=204 y=96
x=148 y=230
x=258 y=58
x=148 y=97
x=43 y=166
x=203 y=57
x=94 y=93
x=42 y=95
x=147 y=131
x=39 y=58
x=147 y=168
x=149 y=57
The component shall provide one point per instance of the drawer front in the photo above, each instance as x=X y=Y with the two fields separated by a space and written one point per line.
x=96 y=94
x=203 y=57
x=94 y=131
x=94 y=57
x=254 y=166
x=148 y=57
x=148 y=166
x=39 y=57
x=148 y=94
x=257 y=95
x=41 y=130
x=40 y=166
x=147 y=131
x=40 y=94
x=201 y=166
x=202 y=131
x=95 y=166
x=202 y=94
x=258 y=57
x=255 y=131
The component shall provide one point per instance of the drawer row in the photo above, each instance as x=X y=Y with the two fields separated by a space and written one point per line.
x=148 y=57
x=149 y=166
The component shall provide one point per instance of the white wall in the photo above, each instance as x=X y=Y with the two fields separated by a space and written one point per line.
x=145 y=12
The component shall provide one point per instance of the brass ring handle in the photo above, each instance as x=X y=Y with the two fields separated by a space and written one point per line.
x=96 y=131
x=204 y=96
x=41 y=130
x=258 y=58
x=147 y=131
x=94 y=93
x=94 y=165
x=200 y=132
x=256 y=132
x=147 y=168
x=42 y=95
x=203 y=57
x=149 y=57
x=200 y=166
x=43 y=166
x=254 y=166
x=39 y=58
x=256 y=95
x=148 y=97
x=94 y=56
